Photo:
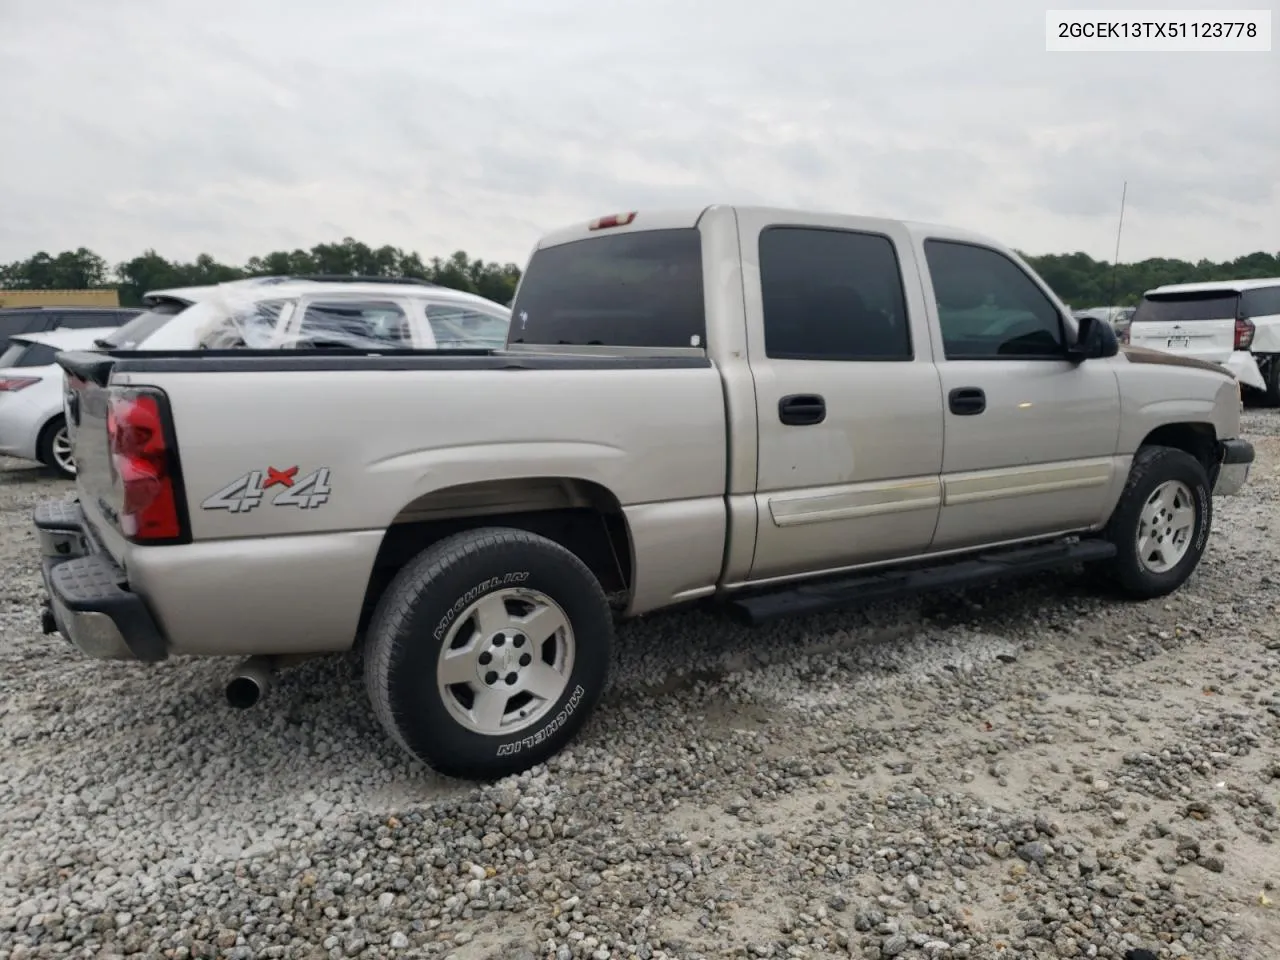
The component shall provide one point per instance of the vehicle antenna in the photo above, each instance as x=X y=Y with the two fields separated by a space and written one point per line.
x=1115 y=265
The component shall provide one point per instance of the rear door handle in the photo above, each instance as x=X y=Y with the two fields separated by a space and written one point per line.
x=967 y=401
x=802 y=409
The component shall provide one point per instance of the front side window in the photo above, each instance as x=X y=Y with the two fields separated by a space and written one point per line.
x=376 y=324
x=988 y=307
x=832 y=295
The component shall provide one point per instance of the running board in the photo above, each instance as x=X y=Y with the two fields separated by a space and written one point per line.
x=974 y=570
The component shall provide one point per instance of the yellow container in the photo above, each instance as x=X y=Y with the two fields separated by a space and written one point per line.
x=102 y=297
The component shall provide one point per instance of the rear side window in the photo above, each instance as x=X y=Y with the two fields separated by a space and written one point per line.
x=1187 y=307
x=628 y=290
x=354 y=323
x=1263 y=302
x=142 y=326
x=456 y=327
x=24 y=354
x=832 y=295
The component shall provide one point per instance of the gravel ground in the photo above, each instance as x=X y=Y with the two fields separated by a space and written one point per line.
x=1021 y=773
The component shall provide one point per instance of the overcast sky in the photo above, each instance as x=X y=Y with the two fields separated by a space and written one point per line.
x=245 y=126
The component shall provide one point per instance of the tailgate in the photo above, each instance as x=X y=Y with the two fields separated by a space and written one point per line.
x=1199 y=325
x=85 y=405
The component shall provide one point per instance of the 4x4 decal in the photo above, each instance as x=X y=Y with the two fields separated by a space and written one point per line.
x=248 y=491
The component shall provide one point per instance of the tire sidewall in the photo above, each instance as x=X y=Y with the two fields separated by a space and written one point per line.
x=45 y=447
x=1171 y=465
x=425 y=723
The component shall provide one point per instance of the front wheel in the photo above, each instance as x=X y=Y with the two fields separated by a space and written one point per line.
x=54 y=448
x=1161 y=525
x=488 y=652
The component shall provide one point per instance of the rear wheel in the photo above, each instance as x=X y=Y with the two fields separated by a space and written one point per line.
x=1161 y=525
x=54 y=448
x=488 y=652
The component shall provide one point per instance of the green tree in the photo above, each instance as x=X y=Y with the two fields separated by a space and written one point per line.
x=1077 y=278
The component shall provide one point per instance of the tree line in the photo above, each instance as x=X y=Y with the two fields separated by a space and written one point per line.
x=1077 y=278
x=82 y=269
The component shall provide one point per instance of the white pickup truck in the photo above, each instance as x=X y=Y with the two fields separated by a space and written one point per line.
x=778 y=411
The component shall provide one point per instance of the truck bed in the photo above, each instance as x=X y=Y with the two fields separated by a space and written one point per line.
x=396 y=438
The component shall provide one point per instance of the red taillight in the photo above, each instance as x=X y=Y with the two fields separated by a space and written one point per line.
x=1244 y=334
x=14 y=384
x=142 y=461
x=613 y=220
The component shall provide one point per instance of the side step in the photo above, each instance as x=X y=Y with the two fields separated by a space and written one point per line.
x=975 y=570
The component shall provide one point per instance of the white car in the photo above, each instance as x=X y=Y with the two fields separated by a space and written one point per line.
x=1235 y=323
x=284 y=312
x=32 y=426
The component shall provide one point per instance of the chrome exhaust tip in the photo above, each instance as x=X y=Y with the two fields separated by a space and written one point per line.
x=249 y=682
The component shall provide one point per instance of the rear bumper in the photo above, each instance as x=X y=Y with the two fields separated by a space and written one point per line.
x=89 y=601
x=1236 y=457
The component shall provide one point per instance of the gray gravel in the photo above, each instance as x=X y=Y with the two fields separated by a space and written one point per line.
x=1031 y=772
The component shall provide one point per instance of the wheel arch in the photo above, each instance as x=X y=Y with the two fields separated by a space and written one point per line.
x=1198 y=439
x=581 y=515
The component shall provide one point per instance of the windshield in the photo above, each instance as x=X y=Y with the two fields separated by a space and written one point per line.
x=1186 y=307
x=639 y=289
x=140 y=327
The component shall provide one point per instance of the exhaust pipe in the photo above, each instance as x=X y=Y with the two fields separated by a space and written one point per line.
x=250 y=681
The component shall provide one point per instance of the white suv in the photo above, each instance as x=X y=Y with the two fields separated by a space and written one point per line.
x=1235 y=323
x=305 y=312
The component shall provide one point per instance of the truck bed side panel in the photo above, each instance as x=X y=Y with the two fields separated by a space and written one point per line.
x=652 y=436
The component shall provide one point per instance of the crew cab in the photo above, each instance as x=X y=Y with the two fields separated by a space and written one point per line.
x=773 y=410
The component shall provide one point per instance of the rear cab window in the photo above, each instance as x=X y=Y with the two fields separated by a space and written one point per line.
x=637 y=289
x=1188 y=306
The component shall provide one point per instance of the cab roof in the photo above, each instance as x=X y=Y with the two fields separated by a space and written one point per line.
x=687 y=217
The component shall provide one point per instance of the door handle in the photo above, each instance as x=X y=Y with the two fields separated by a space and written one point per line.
x=967 y=401
x=802 y=409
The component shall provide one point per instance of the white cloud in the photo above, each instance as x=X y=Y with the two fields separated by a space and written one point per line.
x=251 y=126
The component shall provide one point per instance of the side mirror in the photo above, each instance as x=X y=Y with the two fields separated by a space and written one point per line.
x=1096 y=340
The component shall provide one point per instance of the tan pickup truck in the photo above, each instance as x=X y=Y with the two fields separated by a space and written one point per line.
x=777 y=411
